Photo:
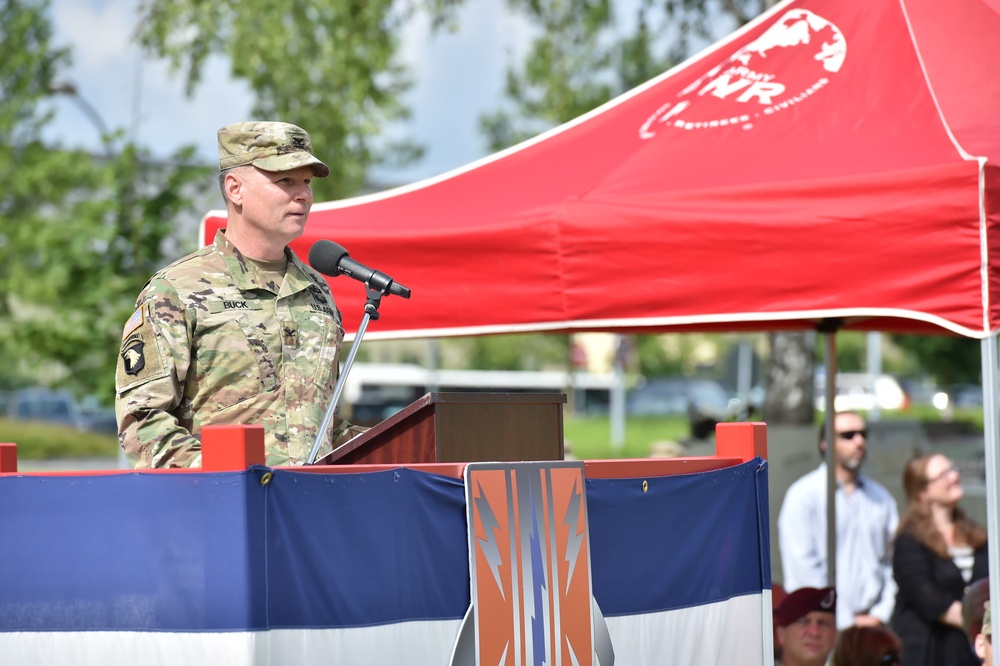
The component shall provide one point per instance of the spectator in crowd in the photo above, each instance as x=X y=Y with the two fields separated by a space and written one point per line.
x=805 y=626
x=984 y=639
x=866 y=521
x=973 y=607
x=866 y=646
x=938 y=552
x=778 y=595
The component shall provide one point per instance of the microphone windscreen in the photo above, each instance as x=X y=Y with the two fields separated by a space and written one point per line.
x=325 y=256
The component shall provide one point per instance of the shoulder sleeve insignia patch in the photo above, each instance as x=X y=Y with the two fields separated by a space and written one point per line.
x=133 y=357
x=135 y=321
x=140 y=358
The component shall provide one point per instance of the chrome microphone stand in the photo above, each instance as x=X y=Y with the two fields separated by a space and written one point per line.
x=376 y=286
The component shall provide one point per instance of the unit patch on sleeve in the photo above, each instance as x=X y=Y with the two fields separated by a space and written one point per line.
x=133 y=356
x=139 y=358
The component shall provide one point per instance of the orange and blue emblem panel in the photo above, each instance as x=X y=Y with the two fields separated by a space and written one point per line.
x=530 y=563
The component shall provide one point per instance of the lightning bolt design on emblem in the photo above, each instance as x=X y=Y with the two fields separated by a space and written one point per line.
x=488 y=543
x=575 y=537
x=538 y=634
x=527 y=530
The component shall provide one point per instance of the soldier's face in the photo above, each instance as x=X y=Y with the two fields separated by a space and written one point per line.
x=809 y=640
x=276 y=203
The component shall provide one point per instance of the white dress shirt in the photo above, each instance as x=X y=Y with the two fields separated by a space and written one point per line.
x=866 y=523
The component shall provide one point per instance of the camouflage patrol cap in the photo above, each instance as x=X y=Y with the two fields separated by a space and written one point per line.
x=271 y=146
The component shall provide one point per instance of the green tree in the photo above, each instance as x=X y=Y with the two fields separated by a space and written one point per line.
x=330 y=66
x=562 y=76
x=949 y=359
x=79 y=233
x=585 y=52
x=527 y=351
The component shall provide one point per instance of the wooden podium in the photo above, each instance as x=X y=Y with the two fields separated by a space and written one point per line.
x=462 y=427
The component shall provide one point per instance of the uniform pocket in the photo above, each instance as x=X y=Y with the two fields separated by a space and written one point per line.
x=227 y=367
x=321 y=338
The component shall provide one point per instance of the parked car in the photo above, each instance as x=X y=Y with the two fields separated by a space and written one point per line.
x=920 y=391
x=704 y=401
x=96 y=417
x=964 y=396
x=46 y=406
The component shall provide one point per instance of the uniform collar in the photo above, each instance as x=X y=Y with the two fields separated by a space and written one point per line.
x=246 y=275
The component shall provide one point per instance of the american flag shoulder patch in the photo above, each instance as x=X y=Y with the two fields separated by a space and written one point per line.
x=134 y=322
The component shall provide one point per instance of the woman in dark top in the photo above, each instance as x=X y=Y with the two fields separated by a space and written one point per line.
x=937 y=553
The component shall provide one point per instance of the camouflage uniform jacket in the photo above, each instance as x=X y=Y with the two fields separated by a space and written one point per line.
x=209 y=343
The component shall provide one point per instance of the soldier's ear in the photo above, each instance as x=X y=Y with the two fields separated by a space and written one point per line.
x=232 y=185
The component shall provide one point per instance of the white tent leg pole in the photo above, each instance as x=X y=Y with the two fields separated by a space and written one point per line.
x=991 y=436
x=829 y=434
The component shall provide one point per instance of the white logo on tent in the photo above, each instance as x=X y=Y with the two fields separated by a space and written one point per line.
x=783 y=67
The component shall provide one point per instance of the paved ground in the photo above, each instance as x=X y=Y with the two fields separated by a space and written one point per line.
x=69 y=464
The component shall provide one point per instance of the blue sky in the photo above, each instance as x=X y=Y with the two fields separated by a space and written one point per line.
x=458 y=77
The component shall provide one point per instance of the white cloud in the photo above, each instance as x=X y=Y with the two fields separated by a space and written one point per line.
x=99 y=34
x=459 y=76
x=130 y=93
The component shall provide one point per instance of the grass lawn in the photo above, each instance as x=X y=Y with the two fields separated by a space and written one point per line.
x=40 y=441
x=589 y=438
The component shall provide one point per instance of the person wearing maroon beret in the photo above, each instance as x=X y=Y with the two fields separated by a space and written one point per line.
x=806 y=626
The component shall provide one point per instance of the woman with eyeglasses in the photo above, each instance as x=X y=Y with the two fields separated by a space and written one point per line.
x=866 y=646
x=937 y=553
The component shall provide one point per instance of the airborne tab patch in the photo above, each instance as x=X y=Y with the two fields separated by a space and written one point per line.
x=226 y=306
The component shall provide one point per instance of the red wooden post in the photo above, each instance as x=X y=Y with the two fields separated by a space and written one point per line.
x=8 y=457
x=741 y=440
x=231 y=448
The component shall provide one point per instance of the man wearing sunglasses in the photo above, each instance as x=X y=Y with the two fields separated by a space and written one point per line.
x=866 y=522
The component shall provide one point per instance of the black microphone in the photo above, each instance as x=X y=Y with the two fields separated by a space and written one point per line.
x=332 y=259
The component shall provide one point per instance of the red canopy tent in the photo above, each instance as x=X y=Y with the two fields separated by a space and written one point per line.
x=830 y=159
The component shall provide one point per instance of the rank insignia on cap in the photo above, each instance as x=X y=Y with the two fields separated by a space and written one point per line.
x=135 y=321
x=133 y=356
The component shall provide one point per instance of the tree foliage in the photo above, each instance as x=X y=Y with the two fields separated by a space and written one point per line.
x=949 y=359
x=79 y=233
x=587 y=51
x=528 y=351
x=329 y=66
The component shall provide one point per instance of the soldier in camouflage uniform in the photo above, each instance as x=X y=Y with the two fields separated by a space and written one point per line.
x=240 y=331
